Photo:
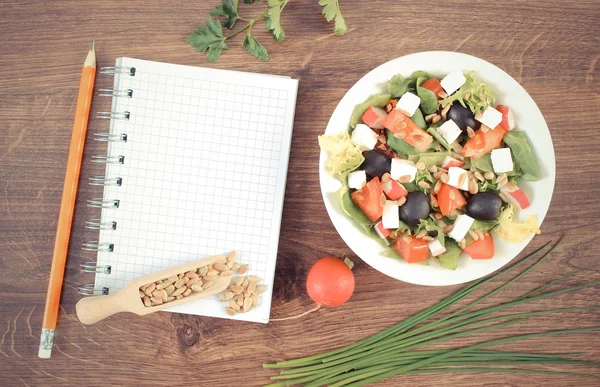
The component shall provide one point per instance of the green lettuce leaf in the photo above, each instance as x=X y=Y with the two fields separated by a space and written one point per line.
x=399 y=85
x=400 y=145
x=449 y=259
x=483 y=163
x=523 y=154
x=351 y=209
x=344 y=156
x=484 y=225
x=480 y=95
x=429 y=101
x=419 y=119
x=430 y=158
x=378 y=100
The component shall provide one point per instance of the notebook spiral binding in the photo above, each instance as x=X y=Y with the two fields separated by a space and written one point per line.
x=102 y=203
x=92 y=290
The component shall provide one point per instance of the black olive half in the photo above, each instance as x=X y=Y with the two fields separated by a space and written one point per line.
x=376 y=164
x=484 y=206
x=463 y=117
x=415 y=208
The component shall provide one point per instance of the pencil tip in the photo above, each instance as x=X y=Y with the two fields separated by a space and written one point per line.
x=93 y=45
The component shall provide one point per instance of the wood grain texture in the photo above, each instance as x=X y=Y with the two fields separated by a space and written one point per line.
x=551 y=47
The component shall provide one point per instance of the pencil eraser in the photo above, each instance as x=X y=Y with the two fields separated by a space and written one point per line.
x=44 y=353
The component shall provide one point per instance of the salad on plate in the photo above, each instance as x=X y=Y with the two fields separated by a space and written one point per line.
x=434 y=168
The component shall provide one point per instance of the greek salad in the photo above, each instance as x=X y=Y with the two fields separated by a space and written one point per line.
x=433 y=167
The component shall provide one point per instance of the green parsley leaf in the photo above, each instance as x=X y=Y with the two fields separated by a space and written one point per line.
x=209 y=38
x=253 y=47
x=273 y=20
x=331 y=10
x=227 y=9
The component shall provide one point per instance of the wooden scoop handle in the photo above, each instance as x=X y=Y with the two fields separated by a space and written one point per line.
x=90 y=310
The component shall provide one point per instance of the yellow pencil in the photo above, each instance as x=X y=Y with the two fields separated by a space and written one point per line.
x=65 y=217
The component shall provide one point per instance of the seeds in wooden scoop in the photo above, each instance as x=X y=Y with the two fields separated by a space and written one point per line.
x=177 y=287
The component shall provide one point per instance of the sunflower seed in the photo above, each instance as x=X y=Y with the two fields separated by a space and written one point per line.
x=502 y=183
x=194 y=281
x=463 y=244
x=179 y=291
x=474 y=235
x=251 y=287
x=404 y=179
x=230 y=311
x=503 y=197
x=259 y=289
x=424 y=184
x=444 y=178
x=197 y=288
x=238 y=280
x=436 y=119
x=233 y=305
x=208 y=284
x=432 y=168
x=445 y=111
x=142 y=294
x=452 y=195
x=254 y=300
x=179 y=283
x=421 y=234
x=429 y=117
x=150 y=288
x=219 y=266
x=236 y=289
x=438 y=216
x=480 y=234
x=226 y=273
x=253 y=278
x=226 y=296
x=448 y=228
x=420 y=166
x=407 y=239
x=473 y=187
x=479 y=176
x=502 y=177
x=147 y=301
x=470 y=132
x=191 y=274
x=156 y=300
x=401 y=201
x=242 y=270
x=163 y=285
x=203 y=270
x=461 y=180
x=187 y=292
x=489 y=175
x=437 y=187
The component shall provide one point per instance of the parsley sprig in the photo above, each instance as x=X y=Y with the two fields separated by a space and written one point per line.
x=211 y=38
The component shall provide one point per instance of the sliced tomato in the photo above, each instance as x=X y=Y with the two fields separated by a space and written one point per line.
x=373 y=117
x=450 y=199
x=482 y=248
x=414 y=251
x=398 y=122
x=451 y=162
x=369 y=199
x=434 y=85
x=381 y=231
x=508 y=119
x=483 y=142
x=394 y=190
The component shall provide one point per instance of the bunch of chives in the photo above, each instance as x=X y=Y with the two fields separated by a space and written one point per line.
x=393 y=351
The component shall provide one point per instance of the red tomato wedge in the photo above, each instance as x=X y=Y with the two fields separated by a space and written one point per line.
x=433 y=85
x=414 y=251
x=482 y=248
x=369 y=199
x=483 y=142
x=373 y=117
x=398 y=122
x=450 y=199
x=508 y=119
x=394 y=190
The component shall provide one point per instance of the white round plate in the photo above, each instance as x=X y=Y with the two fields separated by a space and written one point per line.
x=528 y=118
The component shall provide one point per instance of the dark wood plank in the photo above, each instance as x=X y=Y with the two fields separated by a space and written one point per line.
x=551 y=47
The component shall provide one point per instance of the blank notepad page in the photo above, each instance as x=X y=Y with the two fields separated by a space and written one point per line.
x=204 y=171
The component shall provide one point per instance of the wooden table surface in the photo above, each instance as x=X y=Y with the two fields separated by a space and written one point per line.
x=551 y=47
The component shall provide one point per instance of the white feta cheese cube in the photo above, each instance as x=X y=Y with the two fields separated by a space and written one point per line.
x=501 y=160
x=408 y=104
x=436 y=247
x=456 y=179
x=450 y=131
x=462 y=224
x=453 y=81
x=490 y=118
x=364 y=137
x=401 y=168
x=357 y=179
x=391 y=215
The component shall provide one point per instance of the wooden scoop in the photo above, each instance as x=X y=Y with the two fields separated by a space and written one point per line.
x=90 y=310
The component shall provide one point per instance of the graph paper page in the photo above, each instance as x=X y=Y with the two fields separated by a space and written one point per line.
x=204 y=171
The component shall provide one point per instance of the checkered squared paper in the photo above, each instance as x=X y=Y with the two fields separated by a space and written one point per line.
x=205 y=165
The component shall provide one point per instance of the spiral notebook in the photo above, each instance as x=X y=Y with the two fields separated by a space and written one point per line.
x=196 y=166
